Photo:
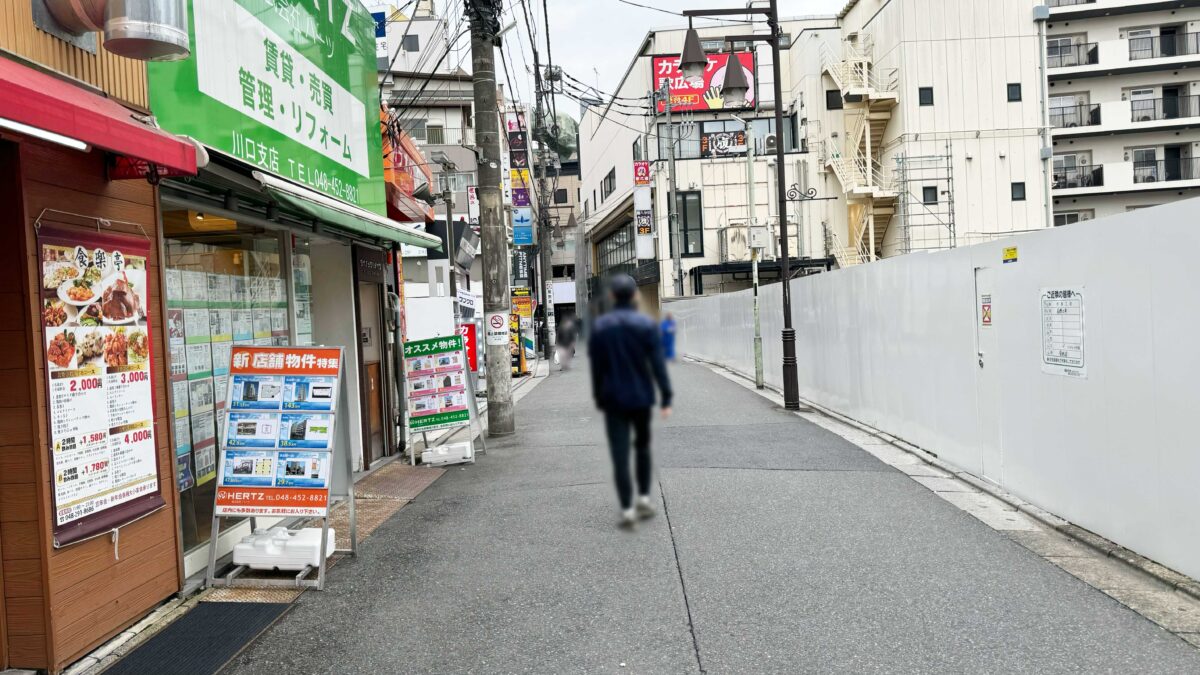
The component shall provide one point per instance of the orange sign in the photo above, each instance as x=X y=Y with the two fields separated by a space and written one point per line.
x=250 y=501
x=285 y=361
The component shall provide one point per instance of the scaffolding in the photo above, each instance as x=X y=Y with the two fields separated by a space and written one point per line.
x=926 y=202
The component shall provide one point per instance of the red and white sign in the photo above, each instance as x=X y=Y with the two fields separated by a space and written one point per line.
x=285 y=361
x=704 y=92
x=471 y=343
x=250 y=501
x=641 y=172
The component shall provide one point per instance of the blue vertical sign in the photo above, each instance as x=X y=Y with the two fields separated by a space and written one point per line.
x=522 y=221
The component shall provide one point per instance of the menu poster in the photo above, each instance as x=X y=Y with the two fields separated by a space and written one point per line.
x=277 y=449
x=94 y=289
x=437 y=386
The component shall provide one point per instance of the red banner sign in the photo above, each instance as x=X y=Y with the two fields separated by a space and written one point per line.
x=470 y=342
x=704 y=92
x=285 y=361
x=641 y=172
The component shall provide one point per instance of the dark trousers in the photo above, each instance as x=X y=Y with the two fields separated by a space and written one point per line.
x=618 y=424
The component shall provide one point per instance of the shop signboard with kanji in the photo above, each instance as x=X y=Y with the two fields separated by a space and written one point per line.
x=705 y=92
x=277 y=450
x=94 y=301
x=438 y=385
x=289 y=87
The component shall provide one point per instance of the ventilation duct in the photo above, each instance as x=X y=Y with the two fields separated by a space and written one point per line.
x=147 y=30
x=78 y=16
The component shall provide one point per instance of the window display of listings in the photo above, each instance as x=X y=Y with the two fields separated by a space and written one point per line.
x=97 y=336
x=437 y=384
x=279 y=434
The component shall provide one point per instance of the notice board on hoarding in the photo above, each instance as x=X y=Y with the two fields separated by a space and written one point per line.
x=277 y=449
x=99 y=379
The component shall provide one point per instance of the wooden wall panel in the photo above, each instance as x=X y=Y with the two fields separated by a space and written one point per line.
x=122 y=78
x=91 y=595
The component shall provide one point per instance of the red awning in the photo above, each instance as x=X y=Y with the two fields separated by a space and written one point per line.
x=46 y=102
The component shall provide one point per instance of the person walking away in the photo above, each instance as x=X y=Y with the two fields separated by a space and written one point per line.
x=565 y=345
x=668 y=337
x=625 y=352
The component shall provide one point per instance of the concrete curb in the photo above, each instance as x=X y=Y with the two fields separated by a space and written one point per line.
x=1161 y=573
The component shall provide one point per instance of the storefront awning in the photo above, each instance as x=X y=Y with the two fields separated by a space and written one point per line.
x=342 y=215
x=44 y=106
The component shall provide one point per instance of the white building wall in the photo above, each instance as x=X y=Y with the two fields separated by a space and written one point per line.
x=896 y=345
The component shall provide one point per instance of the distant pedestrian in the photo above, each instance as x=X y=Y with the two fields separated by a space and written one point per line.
x=565 y=342
x=626 y=357
x=668 y=337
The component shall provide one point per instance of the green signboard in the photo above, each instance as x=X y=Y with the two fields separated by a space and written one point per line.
x=438 y=388
x=287 y=86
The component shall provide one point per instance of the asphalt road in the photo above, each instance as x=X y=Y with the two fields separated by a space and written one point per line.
x=783 y=548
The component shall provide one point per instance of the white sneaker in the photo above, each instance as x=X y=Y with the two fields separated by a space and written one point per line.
x=644 y=507
x=629 y=519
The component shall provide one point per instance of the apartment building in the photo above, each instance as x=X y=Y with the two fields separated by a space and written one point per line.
x=1124 y=104
x=710 y=141
x=564 y=190
x=924 y=121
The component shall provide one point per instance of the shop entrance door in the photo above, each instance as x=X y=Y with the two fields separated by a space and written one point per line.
x=371 y=342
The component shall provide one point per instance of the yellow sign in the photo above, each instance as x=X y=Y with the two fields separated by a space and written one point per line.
x=520 y=178
x=1010 y=254
x=523 y=307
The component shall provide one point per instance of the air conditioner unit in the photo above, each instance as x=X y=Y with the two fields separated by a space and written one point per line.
x=771 y=143
x=1084 y=216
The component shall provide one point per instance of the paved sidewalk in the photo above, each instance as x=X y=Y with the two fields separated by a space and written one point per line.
x=784 y=548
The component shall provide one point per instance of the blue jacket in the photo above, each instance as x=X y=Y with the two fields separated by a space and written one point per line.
x=627 y=360
x=668 y=338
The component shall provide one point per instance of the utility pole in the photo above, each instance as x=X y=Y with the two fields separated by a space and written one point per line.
x=485 y=25
x=758 y=353
x=545 y=248
x=448 y=197
x=672 y=216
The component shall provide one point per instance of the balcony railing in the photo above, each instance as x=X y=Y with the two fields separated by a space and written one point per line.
x=1180 y=44
x=1068 y=3
x=1087 y=54
x=1079 y=176
x=1171 y=108
x=1183 y=168
x=1082 y=115
x=431 y=135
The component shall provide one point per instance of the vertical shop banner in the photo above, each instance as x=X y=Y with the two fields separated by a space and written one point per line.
x=706 y=92
x=473 y=206
x=278 y=443
x=289 y=87
x=522 y=226
x=643 y=215
x=522 y=303
x=469 y=334
x=435 y=371
x=99 y=380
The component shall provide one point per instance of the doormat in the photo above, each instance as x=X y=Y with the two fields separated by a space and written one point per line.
x=202 y=641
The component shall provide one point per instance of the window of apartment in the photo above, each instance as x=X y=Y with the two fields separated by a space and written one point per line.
x=637 y=149
x=435 y=135
x=1142 y=102
x=929 y=194
x=1014 y=91
x=609 y=184
x=762 y=126
x=415 y=128
x=925 y=95
x=691 y=224
x=1061 y=51
x=561 y=196
x=710 y=46
x=411 y=43
x=563 y=271
x=1145 y=165
x=1018 y=192
x=1069 y=217
x=455 y=182
x=687 y=141
x=616 y=253
x=833 y=99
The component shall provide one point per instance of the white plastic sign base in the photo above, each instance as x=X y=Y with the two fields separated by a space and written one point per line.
x=454 y=453
x=281 y=549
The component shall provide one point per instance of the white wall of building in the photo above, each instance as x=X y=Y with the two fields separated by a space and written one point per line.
x=896 y=345
x=333 y=301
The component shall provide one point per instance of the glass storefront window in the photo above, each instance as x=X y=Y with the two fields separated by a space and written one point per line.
x=223 y=289
x=302 y=290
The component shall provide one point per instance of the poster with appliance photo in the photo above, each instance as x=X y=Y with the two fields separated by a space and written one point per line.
x=94 y=289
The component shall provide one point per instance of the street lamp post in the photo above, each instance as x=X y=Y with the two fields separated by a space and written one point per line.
x=692 y=62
